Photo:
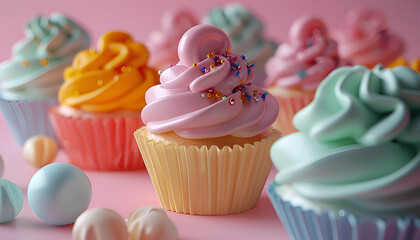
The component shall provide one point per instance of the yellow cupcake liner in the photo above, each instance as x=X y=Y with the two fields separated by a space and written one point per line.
x=207 y=181
x=288 y=107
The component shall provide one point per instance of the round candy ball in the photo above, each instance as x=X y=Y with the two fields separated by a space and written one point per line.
x=59 y=192
x=11 y=200
x=40 y=150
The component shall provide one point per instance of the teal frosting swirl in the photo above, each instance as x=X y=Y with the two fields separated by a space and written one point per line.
x=36 y=67
x=245 y=32
x=358 y=145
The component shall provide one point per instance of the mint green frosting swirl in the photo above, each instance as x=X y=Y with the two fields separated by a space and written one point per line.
x=358 y=145
x=36 y=68
x=245 y=31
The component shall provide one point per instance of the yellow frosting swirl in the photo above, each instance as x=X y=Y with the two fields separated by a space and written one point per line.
x=113 y=78
x=415 y=64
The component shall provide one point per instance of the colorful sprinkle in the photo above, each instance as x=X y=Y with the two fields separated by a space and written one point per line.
x=125 y=69
x=209 y=94
x=223 y=61
x=243 y=57
x=195 y=64
x=25 y=63
x=170 y=65
x=160 y=72
x=211 y=90
x=213 y=53
x=76 y=93
x=43 y=62
x=243 y=99
x=231 y=101
x=116 y=78
x=218 y=95
x=224 y=98
x=302 y=73
x=212 y=66
x=203 y=70
x=100 y=82
x=231 y=82
x=203 y=95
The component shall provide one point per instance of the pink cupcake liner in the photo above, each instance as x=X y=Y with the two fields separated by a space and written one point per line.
x=307 y=224
x=289 y=106
x=100 y=143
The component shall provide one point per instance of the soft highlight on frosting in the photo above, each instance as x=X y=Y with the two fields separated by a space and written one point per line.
x=38 y=61
x=308 y=57
x=361 y=137
x=163 y=43
x=366 y=40
x=209 y=93
x=245 y=32
x=113 y=78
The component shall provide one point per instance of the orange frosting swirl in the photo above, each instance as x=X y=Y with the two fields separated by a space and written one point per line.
x=114 y=78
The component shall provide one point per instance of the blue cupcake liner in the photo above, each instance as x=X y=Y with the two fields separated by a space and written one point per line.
x=27 y=118
x=328 y=225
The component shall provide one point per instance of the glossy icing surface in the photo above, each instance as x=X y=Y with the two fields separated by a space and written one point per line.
x=209 y=93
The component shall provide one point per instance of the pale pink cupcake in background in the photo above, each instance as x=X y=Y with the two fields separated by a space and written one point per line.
x=366 y=40
x=298 y=67
x=163 y=43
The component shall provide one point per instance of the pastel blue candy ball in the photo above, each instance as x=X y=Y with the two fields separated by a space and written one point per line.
x=59 y=192
x=11 y=200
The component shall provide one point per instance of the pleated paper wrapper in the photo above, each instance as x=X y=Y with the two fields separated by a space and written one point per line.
x=27 y=118
x=327 y=225
x=100 y=143
x=207 y=181
x=288 y=107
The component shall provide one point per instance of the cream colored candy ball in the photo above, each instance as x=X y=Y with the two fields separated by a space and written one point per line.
x=40 y=150
x=151 y=223
x=99 y=224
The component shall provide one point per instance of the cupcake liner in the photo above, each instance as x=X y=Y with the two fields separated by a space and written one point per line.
x=207 y=181
x=307 y=224
x=100 y=143
x=28 y=118
x=288 y=107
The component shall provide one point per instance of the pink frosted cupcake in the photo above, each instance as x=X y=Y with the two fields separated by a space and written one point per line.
x=365 y=40
x=298 y=67
x=102 y=93
x=208 y=129
x=163 y=43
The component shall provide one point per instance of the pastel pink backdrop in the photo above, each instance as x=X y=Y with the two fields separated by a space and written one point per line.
x=125 y=192
x=141 y=17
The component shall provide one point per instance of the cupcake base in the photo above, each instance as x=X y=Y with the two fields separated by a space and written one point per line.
x=206 y=180
x=27 y=118
x=98 y=142
x=328 y=225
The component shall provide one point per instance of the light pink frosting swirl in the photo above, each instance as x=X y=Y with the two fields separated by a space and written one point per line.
x=208 y=96
x=306 y=60
x=365 y=40
x=163 y=43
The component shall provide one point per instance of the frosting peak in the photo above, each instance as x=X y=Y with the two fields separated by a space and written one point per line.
x=306 y=60
x=245 y=31
x=209 y=93
x=113 y=78
x=35 y=70
x=366 y=40
x=163 y=43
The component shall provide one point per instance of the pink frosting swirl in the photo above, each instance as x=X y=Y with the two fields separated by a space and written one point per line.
x=306 y=60
x=365 y=40
x=209 y=93
x=163 y=43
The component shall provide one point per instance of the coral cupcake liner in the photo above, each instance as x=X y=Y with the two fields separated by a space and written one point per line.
x=288 y=107
x=100 y=143
x=307 y=224
x=207 y=181
x=28 y=118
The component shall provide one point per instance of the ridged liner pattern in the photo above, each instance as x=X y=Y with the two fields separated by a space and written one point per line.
x=306 y=224
x=207 y=181
x=28 y=118
x=288 y=107
x=101 y=143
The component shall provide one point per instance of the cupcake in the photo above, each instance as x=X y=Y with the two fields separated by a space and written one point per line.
x=351 y=172
x=163 y=43
x=366 y=40
x=29 y=81
x=298 y=67
x=415 y=64
x=100 y=100
x=246 y=33
x=207 y=135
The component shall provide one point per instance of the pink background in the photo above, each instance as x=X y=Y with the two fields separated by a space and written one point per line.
x=141 y=17
x=125 y=192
